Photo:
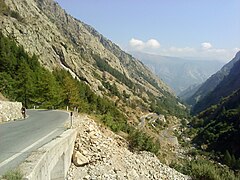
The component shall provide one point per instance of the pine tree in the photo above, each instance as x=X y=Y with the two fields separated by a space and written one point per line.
x=70 y=91
x=228 y=158
x=47 y=90
x=238 y=164
x=233 y=162
x=24 y=85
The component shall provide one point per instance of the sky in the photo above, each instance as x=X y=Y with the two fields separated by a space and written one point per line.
x=200 y=29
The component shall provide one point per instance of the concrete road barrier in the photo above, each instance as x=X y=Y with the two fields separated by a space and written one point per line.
x=52 y=161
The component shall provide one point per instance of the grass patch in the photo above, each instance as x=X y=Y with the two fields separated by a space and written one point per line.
x=13 y=175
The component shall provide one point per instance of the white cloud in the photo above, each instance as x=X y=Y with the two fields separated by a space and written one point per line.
x=201 y=53
x=152 y=43
x=205 y=51
x=181 y=50
x=206 y=45
x=136 y=44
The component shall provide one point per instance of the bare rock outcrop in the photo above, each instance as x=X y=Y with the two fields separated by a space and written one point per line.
x=10 y=111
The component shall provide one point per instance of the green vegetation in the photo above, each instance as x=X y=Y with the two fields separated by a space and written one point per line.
x=217 y=130
x=77 y=94
x=149 y=80
x=231 y=161
x=207 y=170
x=13 y=175
x=23 y=79
x=140 y=141
x=104 y=66
x=202 y=164
x=112 y=88
x=221 y=126
x=167 y=104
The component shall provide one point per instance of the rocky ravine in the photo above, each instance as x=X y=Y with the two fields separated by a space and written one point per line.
x=101 y=154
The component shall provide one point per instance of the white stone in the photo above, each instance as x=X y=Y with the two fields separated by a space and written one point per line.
x=79 y=159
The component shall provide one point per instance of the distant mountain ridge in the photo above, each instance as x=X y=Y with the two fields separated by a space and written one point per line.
x=179 y=73
x=219 y=85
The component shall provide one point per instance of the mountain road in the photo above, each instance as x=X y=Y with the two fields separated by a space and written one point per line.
x=19 y=138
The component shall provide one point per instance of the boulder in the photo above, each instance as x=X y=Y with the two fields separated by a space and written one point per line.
x=79 y=159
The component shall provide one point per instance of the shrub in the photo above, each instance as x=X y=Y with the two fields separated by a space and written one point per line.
x=204 y=169
x=13 y=175
x=140 y=141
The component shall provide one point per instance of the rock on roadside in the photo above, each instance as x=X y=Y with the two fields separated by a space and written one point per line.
x=10 y=111
x=101 y=154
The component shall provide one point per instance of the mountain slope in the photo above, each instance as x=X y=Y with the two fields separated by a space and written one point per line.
x=190 y=91
x=229 y=84
x=220 y=128
x=212 y=82
x=59 y=40
x=179 y=73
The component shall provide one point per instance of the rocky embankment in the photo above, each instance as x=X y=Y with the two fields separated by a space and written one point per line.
x=101 y=154
x=10 y=111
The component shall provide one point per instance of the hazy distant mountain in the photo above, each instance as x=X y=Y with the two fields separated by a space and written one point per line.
x=208 y=86
x=190 y=91
x=179 y=73
x=228 y=79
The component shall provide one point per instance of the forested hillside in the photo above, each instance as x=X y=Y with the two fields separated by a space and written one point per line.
x=219 y=129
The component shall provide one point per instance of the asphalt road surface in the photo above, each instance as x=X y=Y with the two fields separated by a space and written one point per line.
x=19 y=138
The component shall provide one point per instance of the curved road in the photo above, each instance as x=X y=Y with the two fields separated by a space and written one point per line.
x=19 y=138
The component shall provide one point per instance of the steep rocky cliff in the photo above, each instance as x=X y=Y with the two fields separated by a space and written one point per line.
x=43 y=28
